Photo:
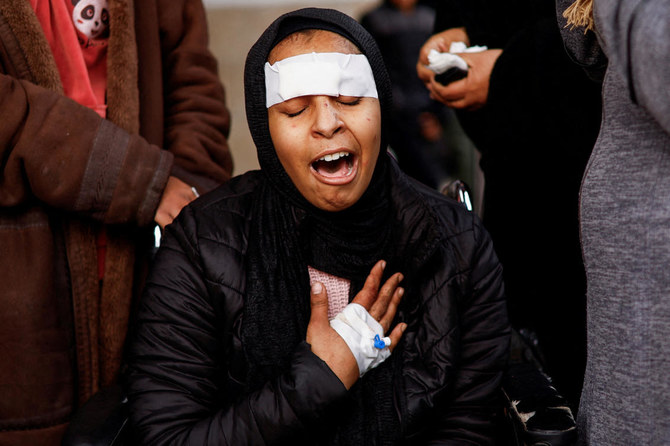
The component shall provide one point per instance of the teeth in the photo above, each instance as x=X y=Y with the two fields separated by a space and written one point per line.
x=334 y=156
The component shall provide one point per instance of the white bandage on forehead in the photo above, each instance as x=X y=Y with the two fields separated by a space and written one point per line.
x=330 y=74
x=358 y=329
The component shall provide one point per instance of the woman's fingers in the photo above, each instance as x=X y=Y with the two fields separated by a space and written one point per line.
x=381 y=303
x=367 y=296
x=384 y=297
x=387 y=317
x=318 y=305
x=396 y=334
x=454 y=91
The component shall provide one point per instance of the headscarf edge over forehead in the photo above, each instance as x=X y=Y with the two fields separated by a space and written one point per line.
x=254 y=78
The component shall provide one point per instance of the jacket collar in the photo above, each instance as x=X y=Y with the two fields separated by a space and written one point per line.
x=28 y=49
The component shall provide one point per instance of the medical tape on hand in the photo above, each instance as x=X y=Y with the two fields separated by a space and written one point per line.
x=358 y=329
x=328 y=74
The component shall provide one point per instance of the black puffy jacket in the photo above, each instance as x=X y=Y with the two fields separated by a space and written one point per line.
x=187 y=364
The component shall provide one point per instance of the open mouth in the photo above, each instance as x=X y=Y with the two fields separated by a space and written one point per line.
x=335 y=167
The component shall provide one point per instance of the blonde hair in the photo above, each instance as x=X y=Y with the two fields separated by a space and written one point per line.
x=580 y=15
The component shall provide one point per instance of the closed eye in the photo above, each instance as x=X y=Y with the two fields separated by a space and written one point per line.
x=293 y=107
x=348 y=100
x=294 y=114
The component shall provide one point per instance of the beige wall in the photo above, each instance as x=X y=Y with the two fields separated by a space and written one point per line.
x=232 y=31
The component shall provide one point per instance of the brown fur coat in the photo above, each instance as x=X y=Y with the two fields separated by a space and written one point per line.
x=64 y=172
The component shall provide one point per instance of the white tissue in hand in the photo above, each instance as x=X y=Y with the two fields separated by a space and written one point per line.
x=441 y=62
x=459 y=47
x=358 y=329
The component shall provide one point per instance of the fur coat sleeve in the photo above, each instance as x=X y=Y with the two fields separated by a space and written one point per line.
x=63 y=155
x=196 y=118
x=163 y=93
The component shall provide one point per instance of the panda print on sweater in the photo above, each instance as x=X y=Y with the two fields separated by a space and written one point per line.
x=91 y=18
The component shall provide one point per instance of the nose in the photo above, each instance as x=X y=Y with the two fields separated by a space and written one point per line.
x=327 y=121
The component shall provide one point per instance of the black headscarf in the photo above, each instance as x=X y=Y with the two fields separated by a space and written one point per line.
x=288 y=234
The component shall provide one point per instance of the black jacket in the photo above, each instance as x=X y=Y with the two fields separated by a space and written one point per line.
x=187 y=365
x=535 y=135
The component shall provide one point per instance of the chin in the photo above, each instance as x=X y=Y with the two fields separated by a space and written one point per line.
x=333 y=198
x=336 y=205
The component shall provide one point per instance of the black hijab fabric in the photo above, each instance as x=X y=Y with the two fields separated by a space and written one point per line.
x=288 y=234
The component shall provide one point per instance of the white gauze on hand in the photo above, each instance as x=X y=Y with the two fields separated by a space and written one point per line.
x=358 y=329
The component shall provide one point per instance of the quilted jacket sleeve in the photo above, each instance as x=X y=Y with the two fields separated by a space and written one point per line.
x=64 y=155
x=177 y=380
x=470 y=418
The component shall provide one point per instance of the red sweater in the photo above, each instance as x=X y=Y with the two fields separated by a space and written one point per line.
x=77 y=35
